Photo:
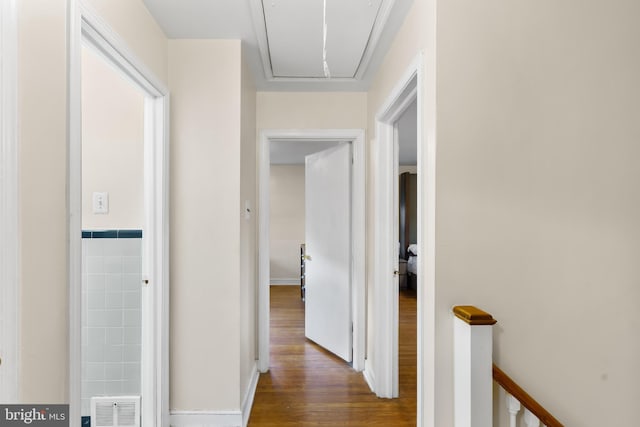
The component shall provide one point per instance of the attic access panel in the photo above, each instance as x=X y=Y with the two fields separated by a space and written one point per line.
x=295 y=28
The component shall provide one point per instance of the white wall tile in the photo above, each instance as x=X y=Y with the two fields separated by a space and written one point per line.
x=132 y=265
x=113 y=264
x=131 y=282
x=113 y=354
x=132 y=318
x=95 y=264
x=114 y=371
x=131 y=300
x=95 y=372
x=113 y=388
x=95 y=300
x=114 y=336
x=131 y=371
x=96 y=336
x=95 y=282
x=113 y=300
x=113 y=318
x=95 y=318
x=131 y=387
x=131 y=353
x=132 y=335
x=131 y=247
x=94 y=353
x=110 y=247
x=86 y=406
x=113 y=282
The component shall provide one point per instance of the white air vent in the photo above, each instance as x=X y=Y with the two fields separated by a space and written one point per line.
x=115 y=411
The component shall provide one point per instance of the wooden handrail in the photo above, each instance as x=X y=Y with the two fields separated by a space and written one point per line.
x=524 y=398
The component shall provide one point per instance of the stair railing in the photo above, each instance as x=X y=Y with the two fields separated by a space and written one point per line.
x=474 y=374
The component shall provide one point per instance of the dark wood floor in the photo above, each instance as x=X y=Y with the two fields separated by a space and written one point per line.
x=308 y=386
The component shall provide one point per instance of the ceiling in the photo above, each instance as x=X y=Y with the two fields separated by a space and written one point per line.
x=283 y=39
x=293 y=152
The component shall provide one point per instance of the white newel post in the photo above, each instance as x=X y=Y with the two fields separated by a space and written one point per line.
x=472 y=368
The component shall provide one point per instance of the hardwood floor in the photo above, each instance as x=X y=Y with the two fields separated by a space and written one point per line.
x=308 y=386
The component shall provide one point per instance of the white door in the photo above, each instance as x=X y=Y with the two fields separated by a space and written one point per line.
x=328 y=249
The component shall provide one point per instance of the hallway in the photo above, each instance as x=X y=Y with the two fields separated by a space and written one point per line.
x=308 y=386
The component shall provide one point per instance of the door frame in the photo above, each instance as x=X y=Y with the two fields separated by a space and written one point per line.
x=417 y=82
x=86 y=28
x=356 y=138
x=9 y=220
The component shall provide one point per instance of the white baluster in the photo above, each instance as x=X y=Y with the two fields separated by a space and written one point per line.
x=514 y=406
x=530 y=420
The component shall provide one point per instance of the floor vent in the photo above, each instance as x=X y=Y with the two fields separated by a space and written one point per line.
x=115 y=411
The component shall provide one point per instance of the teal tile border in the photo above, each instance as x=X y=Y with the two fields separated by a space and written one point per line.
x=112 y=234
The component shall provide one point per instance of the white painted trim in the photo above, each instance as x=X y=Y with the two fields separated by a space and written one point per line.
x=376 y=32
x=88 y=29
x=423 y=71
x=356 y=137
x=285 y=282
x=9 y=207
x=369 y=375
x=206 y=419
x=472 y=374
x=250 y=393
x=385 y=291
x=257 y=15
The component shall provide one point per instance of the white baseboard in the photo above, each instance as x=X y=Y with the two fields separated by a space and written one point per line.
x=369 y=375
x=247 y=401
x=220 y=418
x=206 y=419
x=285 y=281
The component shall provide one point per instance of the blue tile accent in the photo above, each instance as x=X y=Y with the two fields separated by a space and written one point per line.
x=106 y=234
x=112 y=234
x=129 y=234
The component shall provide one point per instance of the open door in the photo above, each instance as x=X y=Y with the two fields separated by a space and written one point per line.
x=328 y=250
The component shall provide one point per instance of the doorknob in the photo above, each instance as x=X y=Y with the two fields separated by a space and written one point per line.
x=307 y=257
x=396 y=272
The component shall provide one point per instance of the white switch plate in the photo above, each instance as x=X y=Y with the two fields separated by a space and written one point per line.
x=100 y=202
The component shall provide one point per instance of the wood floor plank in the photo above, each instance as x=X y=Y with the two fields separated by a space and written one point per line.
x=308 y=386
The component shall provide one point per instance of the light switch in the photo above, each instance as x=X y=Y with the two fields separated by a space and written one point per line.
x=100 y=202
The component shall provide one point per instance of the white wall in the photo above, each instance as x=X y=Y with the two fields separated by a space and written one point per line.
x=538 y=194
x=311 y=110
x=205 y=80
x=42 y=105
x=287 y=214
x=112 y=146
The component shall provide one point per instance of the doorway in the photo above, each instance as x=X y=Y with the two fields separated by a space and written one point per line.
x=88 y=31
x=310 y=235
x=113 y=228
x=411 y=86
x=356 y=139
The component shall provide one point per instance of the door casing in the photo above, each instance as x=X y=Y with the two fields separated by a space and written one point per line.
x=356 y=138
x=86 y=28
x=417 y=82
